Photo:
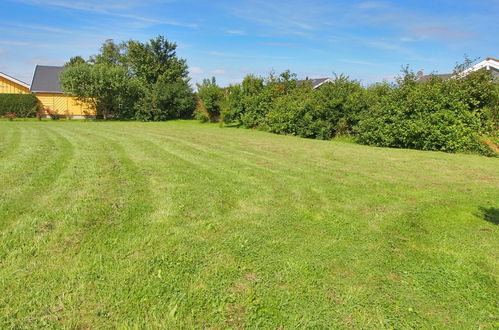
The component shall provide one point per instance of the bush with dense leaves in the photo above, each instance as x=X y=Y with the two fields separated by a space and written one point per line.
x=453 y=115
x=446 y=115
x=210 y=97
x=19 y=105
x=166 y=100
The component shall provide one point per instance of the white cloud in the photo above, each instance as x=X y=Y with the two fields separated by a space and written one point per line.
x=43 y=60
x=109 y=8
x=196 y=70
x=372 y=5
x=39 y=27
x=360 y=62
x=15 y=43
x=2 y=51
x=218 y=71
x=236 y=32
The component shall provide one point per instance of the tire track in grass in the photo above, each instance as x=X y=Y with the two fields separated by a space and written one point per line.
x=23 y=152
x=10 y=138
x=90 y=238
x=105 y=232
x=32 y=182
x=187 y=254
x=232 y=237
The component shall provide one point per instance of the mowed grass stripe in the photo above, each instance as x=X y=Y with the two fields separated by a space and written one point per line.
x=366 y=255
x=82 y=228
x=157 y=225
x=30 y=180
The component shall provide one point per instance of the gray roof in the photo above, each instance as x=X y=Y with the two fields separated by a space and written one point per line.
x=314 y=82
x=46 y=79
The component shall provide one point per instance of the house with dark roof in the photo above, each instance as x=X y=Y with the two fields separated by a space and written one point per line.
x=490 y=64
x=47 y=88
x=315 y=83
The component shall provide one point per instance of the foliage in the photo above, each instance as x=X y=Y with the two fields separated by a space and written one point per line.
x=75 y=60
x=19 y=105
x=166 y=100
x=210 y=99
x=155 y=60
x=111 y=90
x=445 y=115
x=124 y=79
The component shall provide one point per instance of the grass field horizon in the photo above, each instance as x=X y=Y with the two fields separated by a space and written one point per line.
x=181 y=224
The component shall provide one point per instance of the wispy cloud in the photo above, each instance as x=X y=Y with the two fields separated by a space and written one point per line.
x=236 y=55
x=359 y=62
x=196 y=70
x=16 y=43
x=236 y=32
x=39 y=27
x=110 y=8
x=218 y=71
x=290 y=17
x=282 y=44
x=43 y=60
x=439 y=32
x=372 y=5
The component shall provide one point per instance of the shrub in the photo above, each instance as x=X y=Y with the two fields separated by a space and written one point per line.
x=210 y=99
x=166 y=100
x=445 y=115
x=54 y=115
x=323 y=113
x=111 y=90
x=19 y=105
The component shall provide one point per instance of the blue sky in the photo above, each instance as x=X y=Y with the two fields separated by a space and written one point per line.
x=367 y=40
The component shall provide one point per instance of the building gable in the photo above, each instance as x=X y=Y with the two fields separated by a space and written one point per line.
x=11 y=85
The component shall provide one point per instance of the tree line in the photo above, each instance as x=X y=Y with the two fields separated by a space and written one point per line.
x=147 y=81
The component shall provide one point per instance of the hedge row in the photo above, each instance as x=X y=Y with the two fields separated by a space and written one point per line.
x=18 y=105
x=452 y=115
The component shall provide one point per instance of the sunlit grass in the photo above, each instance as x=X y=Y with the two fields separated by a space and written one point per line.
x=182 y=224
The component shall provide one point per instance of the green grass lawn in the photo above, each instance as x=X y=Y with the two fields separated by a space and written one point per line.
x=182 y=224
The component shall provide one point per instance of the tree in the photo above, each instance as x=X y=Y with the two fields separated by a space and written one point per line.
x=155 y=59
x=110 y=53
x=211 y=97
x=75 y=60
x=166 y=100
x=108 y=89
x=124 y=79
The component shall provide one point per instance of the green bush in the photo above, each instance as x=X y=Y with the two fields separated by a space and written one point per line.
x=322 y=114
x=446 y=115
x=453 y=115
x=19 y=105
x=166 y=101
x=210 y=99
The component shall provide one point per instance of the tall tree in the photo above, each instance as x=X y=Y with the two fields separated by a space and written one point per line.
x=154 y=59
x=111 y=53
